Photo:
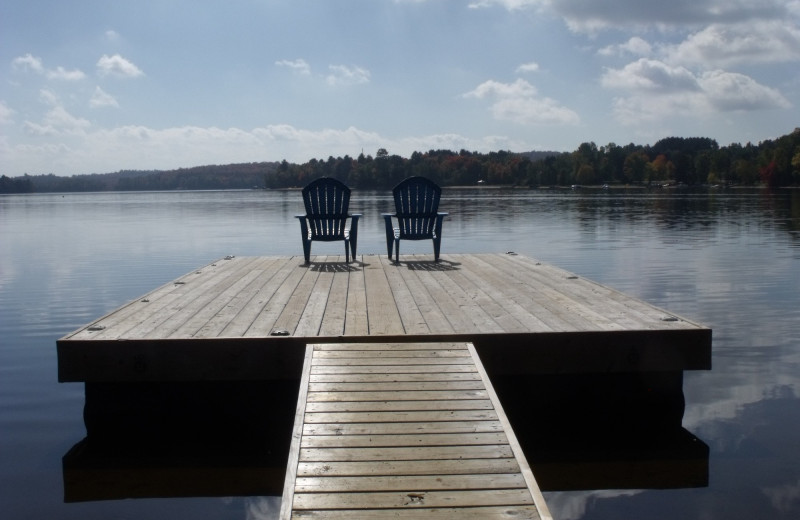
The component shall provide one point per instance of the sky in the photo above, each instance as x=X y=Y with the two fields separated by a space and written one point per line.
x=96 y=86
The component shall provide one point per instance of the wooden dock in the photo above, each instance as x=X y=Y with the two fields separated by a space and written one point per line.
x=396 y=414
x=247 y=318
x=404 y=430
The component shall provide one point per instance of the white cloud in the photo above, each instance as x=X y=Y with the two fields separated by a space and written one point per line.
x=112 y=35
x=66 y=75
x=32 y=63
x=344 y=75
x=519 y=102
x=528 y=67
x=650 y=75
x=299 y=65
x=62 y=121
x=728 y=45
x=28 y=62
x=48 y=97
x=5 y=114
x=118 y=66
x=101 y=98
x=58 y=122
x=583 y=16
x=729 y=91
x=591 y=16
x=508 y=4
x=636 y=46
x=657 y=90
x=89 y=149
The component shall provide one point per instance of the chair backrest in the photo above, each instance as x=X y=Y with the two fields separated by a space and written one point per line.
x=327 y=201
x=416 y=201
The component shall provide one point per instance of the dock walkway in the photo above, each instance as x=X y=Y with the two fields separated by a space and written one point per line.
x=404 y=430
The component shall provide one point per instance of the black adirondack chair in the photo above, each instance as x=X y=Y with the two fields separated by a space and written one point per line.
x=417 y=217
x=327 y=201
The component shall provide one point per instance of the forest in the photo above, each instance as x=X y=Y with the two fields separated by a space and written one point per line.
x=672 y=161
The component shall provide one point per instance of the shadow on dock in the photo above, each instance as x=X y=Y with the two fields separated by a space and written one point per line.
x=597 y=431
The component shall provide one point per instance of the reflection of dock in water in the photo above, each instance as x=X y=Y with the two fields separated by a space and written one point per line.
x=219 y=353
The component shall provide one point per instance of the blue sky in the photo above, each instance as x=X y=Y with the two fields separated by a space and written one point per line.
x=97 y=86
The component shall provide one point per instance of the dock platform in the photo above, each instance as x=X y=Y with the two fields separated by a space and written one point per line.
x=248 y=318
x=404 y=430
x=397 y=411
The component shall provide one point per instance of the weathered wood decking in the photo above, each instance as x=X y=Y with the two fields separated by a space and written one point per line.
x=245 y=318
x=404 y=430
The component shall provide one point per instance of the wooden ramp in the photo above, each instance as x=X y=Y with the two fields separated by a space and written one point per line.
x=404 y=430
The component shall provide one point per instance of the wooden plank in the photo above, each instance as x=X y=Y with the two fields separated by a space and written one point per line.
x=389 y=361
x=483 y=513
x=333 y=321
x=404 y=482
x=412 y=316
x=499 y=451
x=401 y=417
x=394 y=395
x=382 y=313
x=407 y=467
x=356 y=320
x=391 y=385
x=388 y=346
x=310 y=320
x=467 y=426
x=389 y=369
x=356 y=441
x=389 y=500
x=395 y=378
x=397 y=406
x=416 y=353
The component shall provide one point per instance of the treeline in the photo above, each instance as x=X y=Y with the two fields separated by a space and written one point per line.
x=674 y=160
x=212 y=177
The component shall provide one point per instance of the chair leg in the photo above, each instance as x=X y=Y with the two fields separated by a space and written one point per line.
x=347 y=250
x=305 y=239
x=389 y=235
x=437 y=244
x=396 y=250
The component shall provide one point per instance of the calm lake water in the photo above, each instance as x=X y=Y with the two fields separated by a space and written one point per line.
x=727 y=259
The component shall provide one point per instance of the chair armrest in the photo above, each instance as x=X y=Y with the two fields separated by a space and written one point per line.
x=301 y=216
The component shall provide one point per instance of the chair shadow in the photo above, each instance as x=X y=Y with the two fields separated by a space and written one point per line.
x=428 y=265
x=335 y=267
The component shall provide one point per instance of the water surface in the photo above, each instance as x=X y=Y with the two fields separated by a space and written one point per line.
x=727 y=259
